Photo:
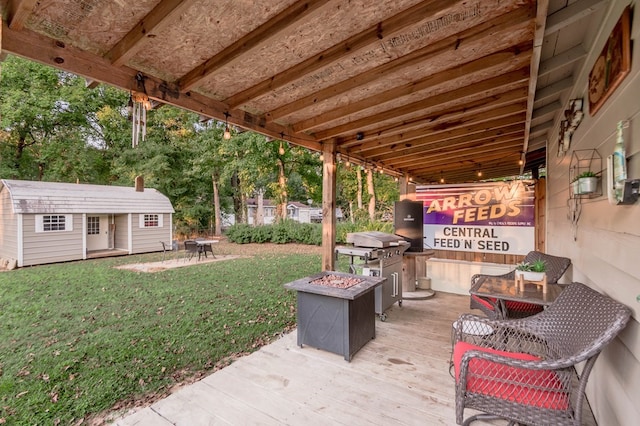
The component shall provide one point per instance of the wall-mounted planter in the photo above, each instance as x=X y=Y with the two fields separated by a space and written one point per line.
x=587 y=185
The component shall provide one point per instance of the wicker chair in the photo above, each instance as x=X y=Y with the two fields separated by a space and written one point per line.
x=522 y=370
x=555 y=268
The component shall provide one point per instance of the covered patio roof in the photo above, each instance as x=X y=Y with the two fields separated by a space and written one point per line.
x=421 y=89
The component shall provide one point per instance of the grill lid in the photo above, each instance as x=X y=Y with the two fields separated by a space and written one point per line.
x=374 y=239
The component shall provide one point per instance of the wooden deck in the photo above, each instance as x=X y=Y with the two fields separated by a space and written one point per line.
x=399 y=378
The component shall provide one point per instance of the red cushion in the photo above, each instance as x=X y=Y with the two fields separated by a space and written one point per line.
x=540 y=388
x=523 y=307
x=483 y=301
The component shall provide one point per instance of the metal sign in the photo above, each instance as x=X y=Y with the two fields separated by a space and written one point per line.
x=491 y=217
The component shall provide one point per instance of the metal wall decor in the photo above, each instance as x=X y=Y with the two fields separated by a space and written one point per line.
x=573 y=117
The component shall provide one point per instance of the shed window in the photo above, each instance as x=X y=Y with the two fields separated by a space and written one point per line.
x=54 y=222
x=93 y=225
x=150 y=221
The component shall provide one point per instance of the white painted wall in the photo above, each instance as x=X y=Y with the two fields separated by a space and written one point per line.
x=454 y=276
x=605 y=246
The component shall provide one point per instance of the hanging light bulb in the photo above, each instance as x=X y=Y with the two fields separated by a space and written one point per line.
x=321 y=157
x=227 y=132
x=479 y=173
x=441 y=178
x=281 y=149
x=347 y=163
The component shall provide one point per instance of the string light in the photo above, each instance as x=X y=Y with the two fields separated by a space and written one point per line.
x=227 y=132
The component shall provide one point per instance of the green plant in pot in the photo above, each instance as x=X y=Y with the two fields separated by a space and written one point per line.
x=533 y=271
x=587 y=182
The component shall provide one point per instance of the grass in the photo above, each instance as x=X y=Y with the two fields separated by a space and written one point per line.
x=80 y=338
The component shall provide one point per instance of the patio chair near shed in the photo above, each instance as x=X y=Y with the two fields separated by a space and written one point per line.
x=523 y=371
x=555 y=268
x=166 y=247
x=191 y=249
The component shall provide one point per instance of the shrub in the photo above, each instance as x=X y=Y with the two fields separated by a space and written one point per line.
x=290 y=231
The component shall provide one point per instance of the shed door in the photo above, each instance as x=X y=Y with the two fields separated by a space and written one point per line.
x=97 y=232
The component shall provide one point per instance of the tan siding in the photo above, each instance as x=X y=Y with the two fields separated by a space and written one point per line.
x=148 y=239
x=605 y=243
x=8 y=227
x=51 y=247
x=122 y=231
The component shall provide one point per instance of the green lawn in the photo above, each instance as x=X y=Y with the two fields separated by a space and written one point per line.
x=78 y=338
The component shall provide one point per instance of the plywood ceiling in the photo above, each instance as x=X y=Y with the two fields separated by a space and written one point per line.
x=425 y=89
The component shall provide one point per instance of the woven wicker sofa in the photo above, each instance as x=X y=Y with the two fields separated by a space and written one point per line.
x=555 y=268
x=523 y=369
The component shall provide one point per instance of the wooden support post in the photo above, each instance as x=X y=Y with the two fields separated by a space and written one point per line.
x=407 y=189
x=329 y=205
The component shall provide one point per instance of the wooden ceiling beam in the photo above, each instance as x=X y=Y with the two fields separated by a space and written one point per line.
x=18 y=11
x=476 y=106
x=487 y=33
x=474 y=118
x=554 y=89
x=561 y=60
x=507 y=60
x=289 y=17
x=434 y=143
x=459 y=150
x=463 y=95
x=36 y=47
x=538 y=39
x=570 y=14
x=165 y=13
x=385 y=28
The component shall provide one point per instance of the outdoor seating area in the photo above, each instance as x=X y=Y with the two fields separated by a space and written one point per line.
x=523 y=370
x=499 y=307
x=192 y=248
x=400 y=377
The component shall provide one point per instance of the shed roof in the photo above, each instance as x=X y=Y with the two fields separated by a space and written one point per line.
x=53 y=197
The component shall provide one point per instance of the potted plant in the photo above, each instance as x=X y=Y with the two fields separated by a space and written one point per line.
x=587 y=182
x=533 y=271
x=575 y=186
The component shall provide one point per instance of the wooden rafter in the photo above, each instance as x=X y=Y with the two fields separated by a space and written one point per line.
x=336 y=53
x=285 y=19
x=508 y=23
x=159 y=18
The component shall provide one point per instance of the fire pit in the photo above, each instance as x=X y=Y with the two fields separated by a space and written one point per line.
x=336 y=311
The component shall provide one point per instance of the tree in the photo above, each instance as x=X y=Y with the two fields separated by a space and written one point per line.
x=50 y=125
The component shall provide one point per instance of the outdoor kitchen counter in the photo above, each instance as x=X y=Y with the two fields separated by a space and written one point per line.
x=338 y=320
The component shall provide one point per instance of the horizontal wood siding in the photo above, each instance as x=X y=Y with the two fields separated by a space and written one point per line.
x=148 y=239
x=122 y=231
x=8 y=227
x=51 y=247
x=604 y=242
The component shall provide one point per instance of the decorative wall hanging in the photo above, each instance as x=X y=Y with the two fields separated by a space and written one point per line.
x=573 y=117
x=613 y=64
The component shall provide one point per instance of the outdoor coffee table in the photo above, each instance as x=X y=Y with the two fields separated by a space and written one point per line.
x=505 y=289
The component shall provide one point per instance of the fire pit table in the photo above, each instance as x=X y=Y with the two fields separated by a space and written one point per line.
x=336 y=311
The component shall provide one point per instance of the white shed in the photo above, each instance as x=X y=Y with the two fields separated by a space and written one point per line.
x=47 y=222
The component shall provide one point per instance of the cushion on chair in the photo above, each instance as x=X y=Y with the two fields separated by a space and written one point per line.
x=523 y=307
x=539 y=388
x=483 y=301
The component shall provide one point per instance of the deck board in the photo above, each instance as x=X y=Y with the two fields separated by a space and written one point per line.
x=401 y=377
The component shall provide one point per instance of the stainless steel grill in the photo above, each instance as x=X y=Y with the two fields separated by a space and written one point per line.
x=377 y=254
